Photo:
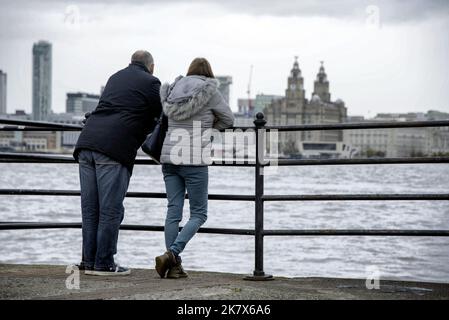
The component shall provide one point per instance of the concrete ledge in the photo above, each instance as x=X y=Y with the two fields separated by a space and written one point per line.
x=49 y=282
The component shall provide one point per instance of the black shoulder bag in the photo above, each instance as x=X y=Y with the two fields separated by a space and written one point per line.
x=152 y=145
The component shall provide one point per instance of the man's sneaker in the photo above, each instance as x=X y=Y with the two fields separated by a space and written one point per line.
x=164 y=263
x=116 y=270
x=82 y=267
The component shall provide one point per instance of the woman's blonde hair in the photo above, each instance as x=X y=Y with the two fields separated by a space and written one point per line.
x=200 y=67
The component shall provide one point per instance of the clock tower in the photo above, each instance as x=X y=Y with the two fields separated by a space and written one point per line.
x=321 y=85
x=295 y=92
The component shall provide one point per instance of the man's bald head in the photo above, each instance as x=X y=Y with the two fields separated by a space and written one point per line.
x=144 y=57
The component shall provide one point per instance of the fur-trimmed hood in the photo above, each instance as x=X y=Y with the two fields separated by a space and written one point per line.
x=187 y=96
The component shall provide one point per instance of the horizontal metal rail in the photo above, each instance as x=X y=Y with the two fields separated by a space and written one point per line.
x=11 y=157
x=51 y=126
x=132 y=227
x=56 y=129
x=27 y=125
x=244 y=232
x=24 y=129
x=358 y=197
x=43 y=125
x=155 y=195
x=326 y=162
x=361 y=232
x=360 y=125
x=249 y=197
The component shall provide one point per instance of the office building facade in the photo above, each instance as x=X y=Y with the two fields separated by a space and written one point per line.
x=79 y=103
x=42 y=80
x=3 y=88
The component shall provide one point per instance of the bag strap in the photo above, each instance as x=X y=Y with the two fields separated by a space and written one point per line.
x=159 y=120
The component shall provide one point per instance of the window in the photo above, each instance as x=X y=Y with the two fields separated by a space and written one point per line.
x=320 y=146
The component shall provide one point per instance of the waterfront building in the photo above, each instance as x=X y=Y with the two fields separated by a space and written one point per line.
x=68 y=138
x=296 y=109
x=41 y=141
x=246 y=107
x=3 y=88
x=42 y=80
x=225 y=87
x=263 y=101
x=80 y=102
x=399 y=142
x=31 y=141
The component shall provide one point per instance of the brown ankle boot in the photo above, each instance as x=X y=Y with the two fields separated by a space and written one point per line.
x=177 y=271
x=164 y=263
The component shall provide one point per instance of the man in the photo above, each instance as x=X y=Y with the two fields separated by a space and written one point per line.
x=106 y=151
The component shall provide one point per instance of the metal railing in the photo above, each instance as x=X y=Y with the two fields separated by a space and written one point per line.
x=259 y=198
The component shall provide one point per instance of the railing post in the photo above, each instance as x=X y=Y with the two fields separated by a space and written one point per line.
x=258 y=273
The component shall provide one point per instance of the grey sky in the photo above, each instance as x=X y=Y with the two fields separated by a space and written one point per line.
x=398 y=65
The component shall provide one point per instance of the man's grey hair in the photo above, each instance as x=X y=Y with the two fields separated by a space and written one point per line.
x=142 y=56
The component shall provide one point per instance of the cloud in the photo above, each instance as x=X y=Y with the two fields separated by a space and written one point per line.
x=391 y=11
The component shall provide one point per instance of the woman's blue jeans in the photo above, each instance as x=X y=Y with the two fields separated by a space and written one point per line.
x=178 y=179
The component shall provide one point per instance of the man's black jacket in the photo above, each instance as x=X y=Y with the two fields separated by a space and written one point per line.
x=126 y=113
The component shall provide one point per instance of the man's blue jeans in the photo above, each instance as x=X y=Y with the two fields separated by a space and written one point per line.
x=104 y=183
x=177 y=180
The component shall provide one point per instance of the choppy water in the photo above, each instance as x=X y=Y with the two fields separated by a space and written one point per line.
x=419 y=258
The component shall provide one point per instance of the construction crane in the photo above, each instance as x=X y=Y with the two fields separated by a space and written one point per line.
x=249 y=89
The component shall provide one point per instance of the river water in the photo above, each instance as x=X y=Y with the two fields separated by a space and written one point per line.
x=406 y=258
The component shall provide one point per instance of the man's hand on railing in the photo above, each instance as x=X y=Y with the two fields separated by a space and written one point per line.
x=86 y=116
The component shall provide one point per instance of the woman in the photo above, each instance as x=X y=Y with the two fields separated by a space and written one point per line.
x=193 y=106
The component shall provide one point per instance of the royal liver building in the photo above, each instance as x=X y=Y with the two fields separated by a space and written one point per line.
x=295 y=108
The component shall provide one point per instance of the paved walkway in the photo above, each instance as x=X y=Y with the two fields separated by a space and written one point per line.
x=49 y=282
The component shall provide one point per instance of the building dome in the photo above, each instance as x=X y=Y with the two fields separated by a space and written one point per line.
x=340 y=102
x=316 y=98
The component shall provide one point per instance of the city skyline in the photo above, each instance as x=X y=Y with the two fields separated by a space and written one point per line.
x=397 y=65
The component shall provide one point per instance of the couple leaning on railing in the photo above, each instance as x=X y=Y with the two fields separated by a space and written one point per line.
x=132 y=105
